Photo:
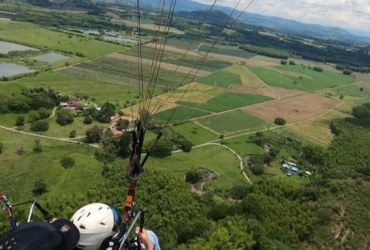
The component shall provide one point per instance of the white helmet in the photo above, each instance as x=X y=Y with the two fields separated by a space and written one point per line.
x=96 y=222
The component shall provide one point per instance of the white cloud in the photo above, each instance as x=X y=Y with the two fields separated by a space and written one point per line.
x=341 y=13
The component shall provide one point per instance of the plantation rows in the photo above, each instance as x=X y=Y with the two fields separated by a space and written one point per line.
x=178 y=59
x=124 y=72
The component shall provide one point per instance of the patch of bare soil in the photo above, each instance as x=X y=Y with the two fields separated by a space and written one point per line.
x=363 y=84
x=362 y=77
x=168 y=66
x=285 y=93
x=294 y=109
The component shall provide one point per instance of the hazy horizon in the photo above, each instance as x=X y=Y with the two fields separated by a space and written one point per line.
x=347 y=14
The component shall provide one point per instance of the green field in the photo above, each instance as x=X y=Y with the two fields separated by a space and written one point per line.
x=354 y=90
x=181 y=113
x=183 y=43
x=16 y=169
x=55 y=130
x=29 y=34
x=123 y=72
x=195 y=134
x=310 y=80
x=178 y=58
x=213 y=157
x=235 y=121
x=221 y=79
x=242 y=147
x=69 y=85
x=226 y=50
x=226 y=101
x=327 y=78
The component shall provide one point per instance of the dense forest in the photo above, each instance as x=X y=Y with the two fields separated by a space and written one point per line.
x=330 y=211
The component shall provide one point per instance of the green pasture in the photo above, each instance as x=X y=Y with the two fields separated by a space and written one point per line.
x=327 y=78
x=19 y=172
x=69 y=85
x=241 y=145
x=213 y=157
x=195 y=134
x=50 y=39
x=222 y=79
x=353 y=90
x=226 y=50
x=309 y=80
x=181 y=113
x=227 y=100
x=233 y=122
x=55 y=130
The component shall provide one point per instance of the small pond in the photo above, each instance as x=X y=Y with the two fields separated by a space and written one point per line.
x=49 y=57
x=11 y=69
x=6 y=47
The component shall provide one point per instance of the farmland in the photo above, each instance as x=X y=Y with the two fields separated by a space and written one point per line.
x=234 y=122
x=242 y=147
x=225 y=50
x=180 y=113
x=97 y=91
x=355 y=90
x=33 y=35
x=221 y=79
x=294 y=109
x=306 y=80
x=181 y=58
x=226 y=101
x=195 y=134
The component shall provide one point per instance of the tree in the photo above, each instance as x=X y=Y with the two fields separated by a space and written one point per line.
x=280 y=121
x=186 y=146
x=33 y=116
x=124 y=144
x=87 y=120
x=122 y=124
x=361 y=89
x=72 y=134
x=291 y=63
x=222 y=136
x=193 y=176
x=94 y=134
x=39 y=187
x=120 y=113
x=347 y=72
x=67 y=162
x=37 y=148
x=43 y=113
x=267 y=158
x=64 y=117
x=362 y=111
x=39 y=126
x=314 y=154
x=283 y=62
x=20 y=121
x=163 y=148
x=318 y=69
x=257 y=169
x=1 y=148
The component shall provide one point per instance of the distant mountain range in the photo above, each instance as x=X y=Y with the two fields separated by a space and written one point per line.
x=276 y=23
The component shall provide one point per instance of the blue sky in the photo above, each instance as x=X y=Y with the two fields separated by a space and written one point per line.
x=353 y=14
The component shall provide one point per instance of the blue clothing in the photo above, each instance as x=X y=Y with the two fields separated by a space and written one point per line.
x=153 y=239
